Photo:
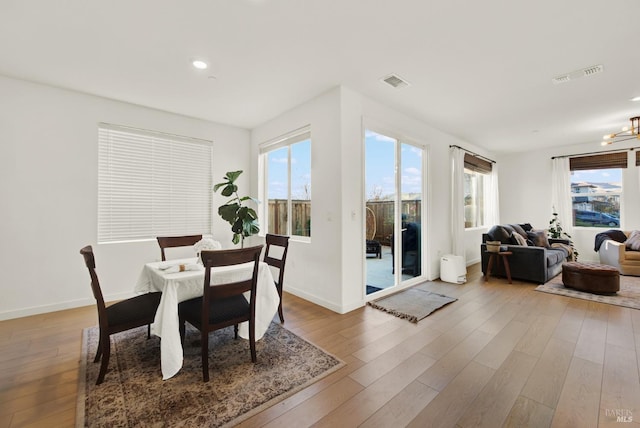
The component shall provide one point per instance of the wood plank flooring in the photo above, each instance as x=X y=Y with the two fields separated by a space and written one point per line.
x=502 y=355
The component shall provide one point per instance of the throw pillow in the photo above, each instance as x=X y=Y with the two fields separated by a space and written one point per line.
x=539 y=238
x=499 y=233
x=526 y=227
x=633 y=242
x=512 y=239
x=518 y=229
x=520 y=239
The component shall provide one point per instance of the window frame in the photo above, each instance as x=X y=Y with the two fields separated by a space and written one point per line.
x=287 y=140
x=168 y=176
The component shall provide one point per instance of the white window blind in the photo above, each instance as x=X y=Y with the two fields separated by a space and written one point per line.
x=152 y=184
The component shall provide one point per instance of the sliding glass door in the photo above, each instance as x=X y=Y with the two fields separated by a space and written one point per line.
x=394 y=183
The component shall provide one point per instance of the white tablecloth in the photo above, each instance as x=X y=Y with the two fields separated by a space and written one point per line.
x=180 y=286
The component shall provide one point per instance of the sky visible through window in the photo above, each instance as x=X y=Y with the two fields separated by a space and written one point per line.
x=380 y=167
x=300 y=171
x=597 y=176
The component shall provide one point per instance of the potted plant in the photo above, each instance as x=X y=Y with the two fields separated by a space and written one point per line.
x=555 y=231
x=243 y=219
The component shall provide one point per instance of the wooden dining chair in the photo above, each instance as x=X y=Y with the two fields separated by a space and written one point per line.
x=222 y=305
x=176 y=241
x=123 y=315
x=277 y=262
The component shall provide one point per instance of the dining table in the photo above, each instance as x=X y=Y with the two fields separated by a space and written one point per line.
x=183 y=279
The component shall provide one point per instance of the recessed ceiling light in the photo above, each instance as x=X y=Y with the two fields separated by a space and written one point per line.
x=635 y=99
x=200 y=65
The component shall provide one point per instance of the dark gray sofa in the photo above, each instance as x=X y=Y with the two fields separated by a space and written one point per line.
x=536 y=262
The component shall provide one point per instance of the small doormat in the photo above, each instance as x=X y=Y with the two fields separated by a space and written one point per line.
x=412 y=304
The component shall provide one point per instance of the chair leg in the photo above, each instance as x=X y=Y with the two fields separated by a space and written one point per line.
x=235 y=331
x=148 y=331
x=280 y=311
x=252 y=341
x=99 y=351
x=204 y=343
x=182 y=329
x=280 y=314
x=106 y=352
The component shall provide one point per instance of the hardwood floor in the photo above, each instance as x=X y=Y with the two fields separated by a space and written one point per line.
x=502 y=355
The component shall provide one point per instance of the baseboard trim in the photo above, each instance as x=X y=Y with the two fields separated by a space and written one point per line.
x=322 y=302
x=37 y=310
x=60 y=306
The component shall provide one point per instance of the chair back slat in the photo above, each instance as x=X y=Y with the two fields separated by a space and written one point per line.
x=176 y=241
x=279 y=263
x=215 y=258
x=231 y=289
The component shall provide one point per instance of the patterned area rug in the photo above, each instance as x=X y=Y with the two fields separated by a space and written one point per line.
x=133 y=393
x=412 y=304
x=628 y=296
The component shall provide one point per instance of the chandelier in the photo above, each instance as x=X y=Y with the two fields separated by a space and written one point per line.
x=627 y=133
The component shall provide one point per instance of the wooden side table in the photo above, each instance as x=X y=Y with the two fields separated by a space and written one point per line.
x=504 y=255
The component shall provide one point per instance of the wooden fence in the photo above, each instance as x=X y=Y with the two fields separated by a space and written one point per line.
x=301 y=217
x=383 y=212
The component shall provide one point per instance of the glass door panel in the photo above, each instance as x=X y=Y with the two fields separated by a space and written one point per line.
x=380 y=207
x=411 y=210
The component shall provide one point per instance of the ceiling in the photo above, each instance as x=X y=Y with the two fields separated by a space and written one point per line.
x=479 y=70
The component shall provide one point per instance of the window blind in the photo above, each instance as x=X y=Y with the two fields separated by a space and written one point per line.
x=152 y=184
x=477 y=164
x=599 y=161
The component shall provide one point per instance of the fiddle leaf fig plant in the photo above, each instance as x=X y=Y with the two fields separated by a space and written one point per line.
x=243 y=219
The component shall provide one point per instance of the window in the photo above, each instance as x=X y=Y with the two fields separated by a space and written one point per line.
x=152 y=184
x=596 y=189
x=476 y=183
x=287 y=184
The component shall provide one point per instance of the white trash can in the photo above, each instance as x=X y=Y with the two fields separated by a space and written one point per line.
x=453 y=269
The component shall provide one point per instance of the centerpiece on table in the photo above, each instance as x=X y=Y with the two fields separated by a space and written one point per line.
x=243 y=219
x=205 y=244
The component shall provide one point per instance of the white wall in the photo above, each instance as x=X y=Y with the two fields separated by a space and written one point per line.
x=330 y=269
x=525 y=192
x=48 y=189
x=314 y=268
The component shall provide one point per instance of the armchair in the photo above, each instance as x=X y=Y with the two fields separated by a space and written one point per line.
x=614 y=253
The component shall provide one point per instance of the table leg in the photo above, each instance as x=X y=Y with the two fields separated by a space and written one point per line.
x=505 y=260
x=489 y=265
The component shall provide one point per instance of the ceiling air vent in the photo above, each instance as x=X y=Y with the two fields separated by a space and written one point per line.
x=589 y=71
x=395 y=81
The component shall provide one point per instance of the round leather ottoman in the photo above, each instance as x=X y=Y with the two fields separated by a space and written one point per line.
x=591 y=277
